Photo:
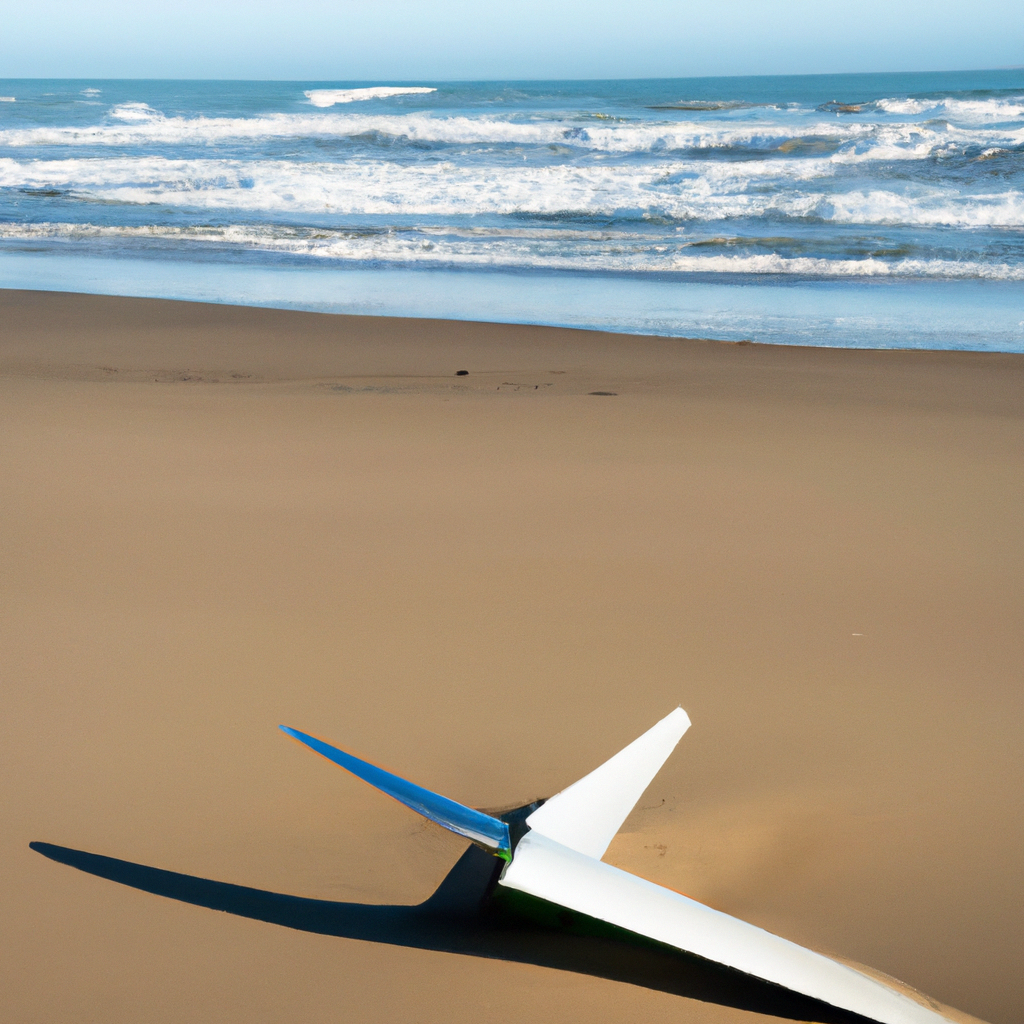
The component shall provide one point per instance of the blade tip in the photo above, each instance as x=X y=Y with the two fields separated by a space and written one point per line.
x=682 y=717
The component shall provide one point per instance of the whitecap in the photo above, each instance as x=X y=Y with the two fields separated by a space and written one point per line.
x=678 y=190
x=904 y=106
x=437 y=247
x=137 y=124
x=142 y=125
x=990 y=109
x=135 y=112
x=994 y=109
x=328 y=97
x=939 y=208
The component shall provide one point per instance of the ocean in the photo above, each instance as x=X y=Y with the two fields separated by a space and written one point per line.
x=851 y=210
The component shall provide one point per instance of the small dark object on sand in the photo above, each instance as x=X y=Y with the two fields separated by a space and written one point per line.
x=604 y=392
x=462 y=373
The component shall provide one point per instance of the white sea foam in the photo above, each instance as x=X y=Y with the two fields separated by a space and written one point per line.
x=8 y=99
x=992 y=109
x=675 y=189
x=137 y=124
x=137 y=113
x=438 y=247
x=328 y=97
x=904 y=106
x=141 y=125
x=999 y=110
x=678 y=190
x=930 y=209
x=645 y=192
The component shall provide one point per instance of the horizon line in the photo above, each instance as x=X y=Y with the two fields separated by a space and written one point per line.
x=463 y=81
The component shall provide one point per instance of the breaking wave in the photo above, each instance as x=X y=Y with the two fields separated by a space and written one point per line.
x=990 y=109
x=328 y=97
x=711 y=126
x=676 y=190
x=528 y=249
x=565 y=176
x=137 y=124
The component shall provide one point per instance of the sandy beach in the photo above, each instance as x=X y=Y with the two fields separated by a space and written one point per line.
x=217 y=519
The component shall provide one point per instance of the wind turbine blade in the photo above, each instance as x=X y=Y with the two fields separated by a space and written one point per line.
x=480 y=828
x=586 y=816
x=559 y=875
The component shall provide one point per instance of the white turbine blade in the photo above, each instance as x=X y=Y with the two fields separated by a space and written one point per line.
x=552 y=872
x=586 y=816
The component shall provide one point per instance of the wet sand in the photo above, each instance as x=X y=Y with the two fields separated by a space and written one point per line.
x=217 y=519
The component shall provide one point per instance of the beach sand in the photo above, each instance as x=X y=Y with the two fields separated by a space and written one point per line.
x=218 y=519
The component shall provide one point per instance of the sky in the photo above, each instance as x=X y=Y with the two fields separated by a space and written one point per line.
x=437 y=40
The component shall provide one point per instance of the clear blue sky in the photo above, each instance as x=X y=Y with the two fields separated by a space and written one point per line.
x=402 y=40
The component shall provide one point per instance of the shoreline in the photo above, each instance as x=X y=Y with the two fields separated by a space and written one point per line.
x=962 y=315
x=105 y=327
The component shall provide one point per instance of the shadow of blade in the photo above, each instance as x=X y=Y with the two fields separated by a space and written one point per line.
x=454 y=920
x=395 y=925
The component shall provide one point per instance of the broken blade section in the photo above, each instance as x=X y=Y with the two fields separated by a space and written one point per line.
x=490 y=833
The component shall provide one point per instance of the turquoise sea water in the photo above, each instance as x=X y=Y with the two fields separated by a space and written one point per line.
x=878 y=210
